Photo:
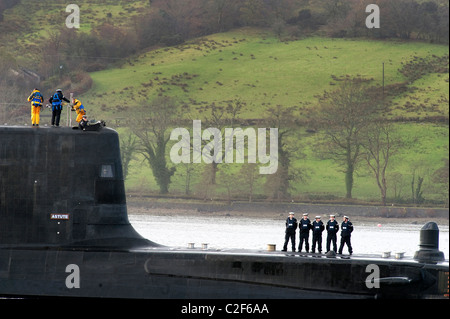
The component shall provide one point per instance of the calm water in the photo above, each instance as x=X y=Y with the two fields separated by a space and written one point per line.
x=256 y=233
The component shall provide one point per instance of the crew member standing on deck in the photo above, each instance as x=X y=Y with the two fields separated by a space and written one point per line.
x=317 y=229
x=332 y=229
x=36 y=100
x=304 y=226
x=56 y=101
x=346 y=230
x=291 y=226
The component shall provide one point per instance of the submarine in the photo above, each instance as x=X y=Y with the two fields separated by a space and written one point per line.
x=64 y=232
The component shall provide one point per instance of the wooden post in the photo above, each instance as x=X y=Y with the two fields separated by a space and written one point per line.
x=70 y=111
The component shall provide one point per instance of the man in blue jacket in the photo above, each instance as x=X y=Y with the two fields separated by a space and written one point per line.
x=56 y=102
x=346 y=230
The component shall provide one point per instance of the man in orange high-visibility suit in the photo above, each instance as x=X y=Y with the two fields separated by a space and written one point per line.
x=36 y=100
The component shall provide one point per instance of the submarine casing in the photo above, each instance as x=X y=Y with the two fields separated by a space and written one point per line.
x=62 y=203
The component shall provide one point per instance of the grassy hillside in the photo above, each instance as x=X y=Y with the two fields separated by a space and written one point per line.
x=261 y=70
x=257 y=68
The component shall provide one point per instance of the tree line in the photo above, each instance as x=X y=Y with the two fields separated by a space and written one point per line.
x=172 y=22
x=349 y=123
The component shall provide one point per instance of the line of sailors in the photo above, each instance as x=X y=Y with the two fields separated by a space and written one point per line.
x=317 y=227
x=37 y=99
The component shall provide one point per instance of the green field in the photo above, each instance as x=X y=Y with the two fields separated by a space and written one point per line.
x=260 y=70
x=255 y=67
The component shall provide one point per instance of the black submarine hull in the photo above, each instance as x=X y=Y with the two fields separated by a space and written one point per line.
x=180 y=274
x=64 y=232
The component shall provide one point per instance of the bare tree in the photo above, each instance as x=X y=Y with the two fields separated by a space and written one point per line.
x=249 y=175
x=379 y=146
x=228 y=180
x=219 y=117
x=343 y=116
x=128 y=149
x=153 y=133
x=186 y=172
x=420 y=170
x=279 y=184
x=396 y=180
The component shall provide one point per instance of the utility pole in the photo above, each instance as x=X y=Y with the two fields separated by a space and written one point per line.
x=383 y=82
x=69 y=113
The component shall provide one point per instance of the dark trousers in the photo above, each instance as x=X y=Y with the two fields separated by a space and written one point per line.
x=345 y=240
x=317 y=239
x=291 y=236
x=56 y=116
x=304 y=237
x=331 y=238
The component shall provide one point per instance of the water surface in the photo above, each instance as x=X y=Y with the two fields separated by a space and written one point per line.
x=255 y=233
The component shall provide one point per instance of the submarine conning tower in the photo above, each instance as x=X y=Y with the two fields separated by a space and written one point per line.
x=63 y=187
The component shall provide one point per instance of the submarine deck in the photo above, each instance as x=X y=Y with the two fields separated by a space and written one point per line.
x=157 y=249
x=281 y=254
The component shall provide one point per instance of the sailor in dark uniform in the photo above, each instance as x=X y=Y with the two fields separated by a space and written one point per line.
x=346 y=230
x=291 y=226
x=332 y=229
x=317 y=229
x=304 y=225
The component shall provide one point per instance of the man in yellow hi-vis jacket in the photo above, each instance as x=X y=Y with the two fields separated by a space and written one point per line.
x=36 y=100
x=79 y=108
